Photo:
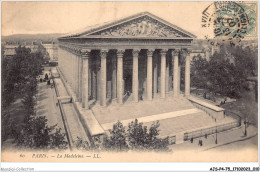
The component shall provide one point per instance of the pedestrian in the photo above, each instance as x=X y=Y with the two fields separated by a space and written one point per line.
x=200 y=142
x=191 y=140
x=46 y=76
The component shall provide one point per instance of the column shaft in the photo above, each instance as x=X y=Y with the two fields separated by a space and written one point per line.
x=85 y=81
x=163 y=66
x=89 y=82
x=179 y=79
x=167 y=76
x=77 y=77
x=98 y=84
x=80 y=79
x=187 y=75
x=94 y=83
x=155 y=78
x=114 y=77
x=135 y=76
x=149 y=74
x=120 y=76
x=155 y=75
x=175 y=73
x=103 y=78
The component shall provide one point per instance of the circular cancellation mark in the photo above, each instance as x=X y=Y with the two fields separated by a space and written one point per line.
x=229 y=20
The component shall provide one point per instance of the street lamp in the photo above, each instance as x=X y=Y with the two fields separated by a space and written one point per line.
x=216 y=141
x=245 y=122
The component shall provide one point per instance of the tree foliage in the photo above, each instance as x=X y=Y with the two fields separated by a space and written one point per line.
x=36 y=134
x=19 y=81
x=117 y=139
x=137 y=137
x=140 y=138
x=226 y=71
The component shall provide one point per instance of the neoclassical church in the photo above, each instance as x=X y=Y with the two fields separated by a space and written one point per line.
x=133 y=66
x=139 y=54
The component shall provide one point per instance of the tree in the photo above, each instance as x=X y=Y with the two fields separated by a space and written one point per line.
x=116 y=141
x=82 y=145
x=199 y=72
x=37 y=135
x=226 y=71
x=141 y=139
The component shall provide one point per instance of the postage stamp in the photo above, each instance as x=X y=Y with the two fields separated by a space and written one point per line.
x=231 y=20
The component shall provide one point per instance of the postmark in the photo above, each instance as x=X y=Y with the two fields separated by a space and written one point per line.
x=230 y=21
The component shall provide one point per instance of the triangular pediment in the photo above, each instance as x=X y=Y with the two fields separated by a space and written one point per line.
x=138 y=26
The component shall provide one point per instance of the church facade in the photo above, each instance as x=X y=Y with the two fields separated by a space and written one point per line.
x=138 y=56
x=136 y=68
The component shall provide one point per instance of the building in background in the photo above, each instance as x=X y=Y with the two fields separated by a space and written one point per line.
x=52 y=50
x=9 y=48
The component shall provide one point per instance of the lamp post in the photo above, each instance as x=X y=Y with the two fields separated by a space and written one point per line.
x=245 y=122
x=216 y=141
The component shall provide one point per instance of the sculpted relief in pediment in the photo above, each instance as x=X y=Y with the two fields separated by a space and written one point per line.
x=144 y=27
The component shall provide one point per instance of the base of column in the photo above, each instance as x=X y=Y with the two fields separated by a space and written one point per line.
x=85 y=107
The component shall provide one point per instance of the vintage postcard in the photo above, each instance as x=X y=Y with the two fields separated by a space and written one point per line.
x=129 y=81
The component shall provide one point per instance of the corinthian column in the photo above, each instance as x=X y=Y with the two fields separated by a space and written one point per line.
x=114 y=77
x=120 y=54
x=149 y=74
x=167 y=75
x=135 y=75
x=80 y=78
x=187 y=74
x=175 y=55
x=155 y=75
x=85 y=58
x=103 y=77
x=163 y=66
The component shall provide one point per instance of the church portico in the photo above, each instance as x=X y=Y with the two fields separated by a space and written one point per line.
x=101 y=74
x=134 y=59
x=131 y=69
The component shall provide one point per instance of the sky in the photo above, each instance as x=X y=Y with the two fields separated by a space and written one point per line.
x=64 y=17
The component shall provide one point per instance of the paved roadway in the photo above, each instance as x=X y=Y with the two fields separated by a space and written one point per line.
x=227 y=140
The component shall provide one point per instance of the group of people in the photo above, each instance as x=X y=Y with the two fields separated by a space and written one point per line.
x=200 y=143
x=47 y=77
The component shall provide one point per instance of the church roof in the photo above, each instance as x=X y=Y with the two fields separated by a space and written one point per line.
x=133 y=26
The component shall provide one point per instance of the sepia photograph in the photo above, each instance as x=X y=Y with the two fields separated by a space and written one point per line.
x=119 y=81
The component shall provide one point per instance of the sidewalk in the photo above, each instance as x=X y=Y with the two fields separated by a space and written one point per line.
x=70 y=115
x=46 y=105
x=223 y=138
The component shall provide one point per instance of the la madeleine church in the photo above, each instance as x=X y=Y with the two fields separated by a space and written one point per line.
x=130 y=69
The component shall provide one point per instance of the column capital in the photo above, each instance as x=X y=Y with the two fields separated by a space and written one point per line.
x=85 y=53
x=163 y=51
x=176 y=52
x=136 y=52
x=103 y=53
x=120 y=52
x=186 y=52
x=76 y=50
x=150 y=52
